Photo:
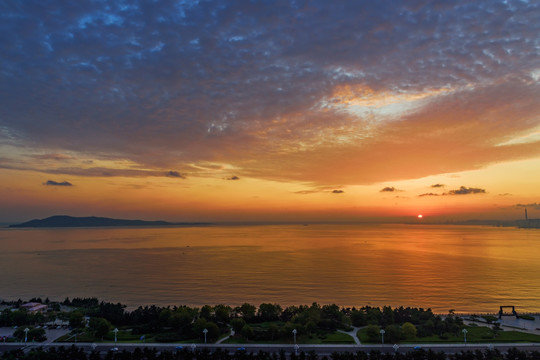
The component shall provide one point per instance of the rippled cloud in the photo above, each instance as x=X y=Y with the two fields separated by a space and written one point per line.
x=281 y=90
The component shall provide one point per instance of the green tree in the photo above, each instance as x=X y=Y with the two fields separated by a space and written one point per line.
x=387 y=316
x=237 y=324
x=34 y=334
x=269 y=312
x=272 y=331
x=409 y=331
x=222 y=313
x=99 y=327
x=358 y=318
x=247 y=332
x=393 y=333
x=247 y=311
x=181 y=320
x=373 y=333
x=76 y=319
x=206 y=312
x=201 y=324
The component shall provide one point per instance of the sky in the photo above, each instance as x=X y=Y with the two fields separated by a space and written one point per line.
x=270 y=110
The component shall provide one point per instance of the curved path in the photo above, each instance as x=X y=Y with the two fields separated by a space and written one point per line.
x=352 y=334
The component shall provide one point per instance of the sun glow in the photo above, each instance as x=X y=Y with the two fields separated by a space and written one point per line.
x=420 y=216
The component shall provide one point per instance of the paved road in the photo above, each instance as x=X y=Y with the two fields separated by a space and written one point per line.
x=288 y=348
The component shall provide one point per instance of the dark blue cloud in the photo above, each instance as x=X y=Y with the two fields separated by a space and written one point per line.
x=134 y=78
x=57 y=183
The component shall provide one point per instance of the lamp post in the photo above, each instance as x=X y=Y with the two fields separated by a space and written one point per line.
x=294 y=334
x=26 y=334
x=115 y=331
x=465 y=335
x=382 y=335
x=205 y=331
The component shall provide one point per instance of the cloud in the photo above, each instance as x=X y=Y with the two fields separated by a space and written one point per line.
x=337 y=191
x=58 y=157
x=466 y=191
x=437 y=185
x=175 y=174
x=535 y=206
x=390 y=189
x=428 y=194
x=56 y=183
x=406 y=89
x=233 y=178
x=463 y=190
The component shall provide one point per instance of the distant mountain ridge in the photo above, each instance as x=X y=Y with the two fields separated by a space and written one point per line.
x=93 y=221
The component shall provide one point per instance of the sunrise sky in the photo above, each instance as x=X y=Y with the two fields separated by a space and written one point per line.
x=270 y=110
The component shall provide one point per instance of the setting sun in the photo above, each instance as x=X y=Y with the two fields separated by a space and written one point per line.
x=420 y=216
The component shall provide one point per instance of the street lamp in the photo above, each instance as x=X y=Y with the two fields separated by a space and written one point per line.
x=465 y=335
x=26 y=334
x=382 y=335
x=115 y=331
x=205 y=331
x=294 y=334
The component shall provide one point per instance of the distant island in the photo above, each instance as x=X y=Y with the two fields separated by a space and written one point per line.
x=93 y=221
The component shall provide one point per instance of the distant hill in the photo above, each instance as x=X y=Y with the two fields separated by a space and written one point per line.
x=93 y=221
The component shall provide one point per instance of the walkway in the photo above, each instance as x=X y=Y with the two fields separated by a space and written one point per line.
x=352 y=334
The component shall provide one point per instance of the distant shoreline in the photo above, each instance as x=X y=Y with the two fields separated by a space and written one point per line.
x=64 y=221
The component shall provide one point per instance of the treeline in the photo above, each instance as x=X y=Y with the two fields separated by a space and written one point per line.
x=75 y=353
x=267 y=322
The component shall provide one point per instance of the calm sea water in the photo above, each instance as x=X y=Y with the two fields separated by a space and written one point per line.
x=466 y=268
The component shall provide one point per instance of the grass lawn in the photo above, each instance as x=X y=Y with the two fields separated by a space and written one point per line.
x=475 y=334
x=332 y=338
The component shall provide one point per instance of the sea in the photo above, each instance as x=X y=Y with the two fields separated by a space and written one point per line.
x=468 y=269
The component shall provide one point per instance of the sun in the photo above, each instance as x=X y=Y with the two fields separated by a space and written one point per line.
x=420 y=216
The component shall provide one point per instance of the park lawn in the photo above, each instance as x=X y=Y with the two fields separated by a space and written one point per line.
x=338 y=338
x=331 y=338
x=475 y=334
x=81 y=337
x=266 y=324
x=516 y=336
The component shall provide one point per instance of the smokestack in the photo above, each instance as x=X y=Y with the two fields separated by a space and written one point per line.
x=526 y=217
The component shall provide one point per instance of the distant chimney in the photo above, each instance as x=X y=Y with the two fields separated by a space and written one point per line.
x=526 y=217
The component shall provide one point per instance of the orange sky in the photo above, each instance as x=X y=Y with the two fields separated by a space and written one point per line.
x=377 y=116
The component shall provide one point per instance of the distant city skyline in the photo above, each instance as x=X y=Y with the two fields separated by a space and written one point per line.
x=270 y=111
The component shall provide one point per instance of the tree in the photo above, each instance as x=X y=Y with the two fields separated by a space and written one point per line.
x=237 y=324
x=76 y=319
x=269 y=312
x=206 y=312
x=358 y=318
x=99 y=327
x=34 y=334
x=222 y=313
x=247 y=332
x=393 y=333
x=201 y=324
x=409 y=331
x=387 y=316
x=372 y=332
x=247 y=311
x=273 y=330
